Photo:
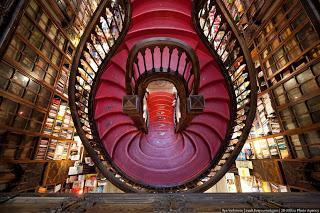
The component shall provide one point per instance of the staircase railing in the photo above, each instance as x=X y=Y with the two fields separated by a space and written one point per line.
x=220 y=34
x=99 y=43
x=162 y=58
x=187 y=64
x=103 y=35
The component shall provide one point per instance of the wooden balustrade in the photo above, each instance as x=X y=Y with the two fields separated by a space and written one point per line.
x=168 y=59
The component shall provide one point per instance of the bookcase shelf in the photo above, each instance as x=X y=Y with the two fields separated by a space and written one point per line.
x=285 y=47
x=35 y=119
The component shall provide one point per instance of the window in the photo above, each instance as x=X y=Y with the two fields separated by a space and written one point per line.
x=307 y=36
x=270 y=66
x=44 y=97
x=314 y=107
x=43 y=21
x=265 y=53
x=280 y=58
x=292 y=48
x=302 y=114
x=314 y=150
x=18 y=83
x=287 y=119
x=316 y=71
x=33 y=9
x=288 y=4
x=36 y=38
x=8 y=110
x=298 y=21
x=25 y=27
x=22 y=86
x=275 y=43
x=308 y=82
x=47 y=48
x=5 y=75
x=280 y=95
x=285 y=34
x=312 y=137
x=292 y=89
x=52 y=31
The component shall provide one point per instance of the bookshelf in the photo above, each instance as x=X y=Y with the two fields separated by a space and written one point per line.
x=285 y=47
x=35 y=118
x=36 y=127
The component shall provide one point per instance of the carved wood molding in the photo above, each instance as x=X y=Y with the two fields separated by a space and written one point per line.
x=194 y=202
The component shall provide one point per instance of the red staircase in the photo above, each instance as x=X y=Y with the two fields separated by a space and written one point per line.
x=162 y=159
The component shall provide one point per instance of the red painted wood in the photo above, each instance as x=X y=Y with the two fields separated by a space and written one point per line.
x=162 y=157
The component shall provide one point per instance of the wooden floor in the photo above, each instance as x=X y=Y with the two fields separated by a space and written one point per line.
x=218 y=202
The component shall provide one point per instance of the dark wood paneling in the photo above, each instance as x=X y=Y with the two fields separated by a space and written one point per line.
x=156 y=202
x=56 y=172
x=267 y=170
x=302 y=174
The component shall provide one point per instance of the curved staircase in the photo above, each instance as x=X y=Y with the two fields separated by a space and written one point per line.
x=160 y=157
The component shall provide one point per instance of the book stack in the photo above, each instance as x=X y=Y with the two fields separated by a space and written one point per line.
x=51 y=116
x=63 y=81
x=51 y=149
x=65 y=152
x=58 y=126
x=67 y=128
x=58 y=151
x=61 y=151
x=42 y=149
x=59 y=119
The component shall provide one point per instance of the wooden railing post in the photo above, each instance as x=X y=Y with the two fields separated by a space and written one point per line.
x=132 y=106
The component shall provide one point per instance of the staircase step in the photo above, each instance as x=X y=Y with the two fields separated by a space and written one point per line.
x=120 y=59
x=142 y=6
x=165 y=12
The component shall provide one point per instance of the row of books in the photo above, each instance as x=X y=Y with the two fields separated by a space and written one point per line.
x=59 y=122
x=266 y=122
x=87 y=183
x=54 y=108
x=63 y=82
x=52 y=149
x=42 y=148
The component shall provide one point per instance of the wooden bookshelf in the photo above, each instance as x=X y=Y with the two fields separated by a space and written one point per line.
x=36 y=128
x=285 y=47
x=34 y=70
